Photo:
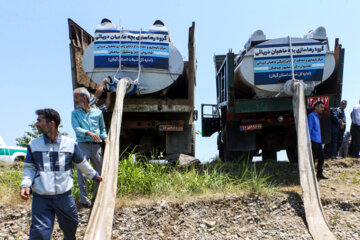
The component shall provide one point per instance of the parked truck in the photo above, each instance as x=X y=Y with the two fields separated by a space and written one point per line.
x=253 y=115
x=158 y=113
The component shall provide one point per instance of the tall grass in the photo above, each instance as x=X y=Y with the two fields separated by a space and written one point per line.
x=145 y=179
x=10 y=181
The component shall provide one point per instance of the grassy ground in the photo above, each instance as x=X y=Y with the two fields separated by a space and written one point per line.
x=143 y=180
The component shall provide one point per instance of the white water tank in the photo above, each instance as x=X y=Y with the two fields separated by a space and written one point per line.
x=161 y=62
x=263 y=68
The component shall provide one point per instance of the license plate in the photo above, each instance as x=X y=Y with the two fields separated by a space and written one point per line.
x=171 y=128
x=312 y=100
x=250 y=127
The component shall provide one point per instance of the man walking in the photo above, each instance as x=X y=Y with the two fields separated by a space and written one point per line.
x=355 y=132
x=47 y=175
x=88 y=124
x=315 y=135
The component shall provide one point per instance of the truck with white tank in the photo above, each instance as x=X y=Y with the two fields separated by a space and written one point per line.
x=158 y=113
x=253 y=114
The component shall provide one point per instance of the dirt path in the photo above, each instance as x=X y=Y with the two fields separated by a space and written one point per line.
x=231 y=217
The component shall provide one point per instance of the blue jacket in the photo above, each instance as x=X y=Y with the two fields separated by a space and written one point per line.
x=314 y=127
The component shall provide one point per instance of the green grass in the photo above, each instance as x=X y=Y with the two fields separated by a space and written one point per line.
x=356 y=177
x=10 y=181
x=151 y=179
x=142 y=179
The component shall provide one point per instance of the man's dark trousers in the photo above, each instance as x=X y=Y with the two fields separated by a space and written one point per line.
x=355 y=140
x=319 y=155
x=334 y=140
x=44 y=209
x=340 y=138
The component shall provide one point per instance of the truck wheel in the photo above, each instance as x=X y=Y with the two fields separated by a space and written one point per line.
x=20 y=159
x=269 y=156
x=292 y=155
x=238 y=156
x=193 y=140
x=221 y=151
x=246 y=156
x=220 y=146
x=229 y=156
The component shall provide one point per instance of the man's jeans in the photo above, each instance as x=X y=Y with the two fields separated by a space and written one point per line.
x=93 y=152
x=44 y=209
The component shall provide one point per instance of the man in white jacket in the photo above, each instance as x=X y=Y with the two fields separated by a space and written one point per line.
x=48 y=176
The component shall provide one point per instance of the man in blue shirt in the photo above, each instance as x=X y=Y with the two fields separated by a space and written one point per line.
x=88 y=124
x=48 y=176
x=315 y=136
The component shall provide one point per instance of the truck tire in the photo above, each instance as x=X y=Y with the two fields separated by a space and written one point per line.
x=193 y=140
x=229 y=156
x=292 y=155
x=246 y=156
x=221 y=151
x=220 y=146
x=269 y=156
x=238 y=156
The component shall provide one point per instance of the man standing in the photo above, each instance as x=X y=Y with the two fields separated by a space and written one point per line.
x=344 y=149
x=355 y=131
x=342 y=115
x=47 y=174
x=338 y=123
x=88 y=124
x=315 y=136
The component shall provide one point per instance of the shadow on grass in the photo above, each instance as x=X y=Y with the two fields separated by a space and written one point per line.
x=279 y=173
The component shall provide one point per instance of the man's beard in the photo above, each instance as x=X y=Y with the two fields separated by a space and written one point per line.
x=79 y=105
x=41 y=130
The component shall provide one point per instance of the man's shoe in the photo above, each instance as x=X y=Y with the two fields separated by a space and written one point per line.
x=86 y=205
x=321 y=176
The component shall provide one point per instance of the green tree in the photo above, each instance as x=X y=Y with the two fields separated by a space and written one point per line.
x=30 y=135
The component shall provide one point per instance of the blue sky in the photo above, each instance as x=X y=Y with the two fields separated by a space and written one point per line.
x=35 y=60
